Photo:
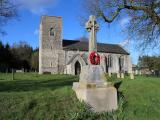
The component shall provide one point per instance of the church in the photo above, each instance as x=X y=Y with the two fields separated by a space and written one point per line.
x=61 y=56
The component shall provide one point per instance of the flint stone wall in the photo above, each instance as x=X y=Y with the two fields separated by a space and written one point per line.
x=53 y=59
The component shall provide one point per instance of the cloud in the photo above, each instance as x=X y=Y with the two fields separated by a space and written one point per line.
x=36 y=32
x=124 y=21
x=36 y=6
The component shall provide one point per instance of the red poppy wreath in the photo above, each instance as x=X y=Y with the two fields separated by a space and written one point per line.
x=94 y=58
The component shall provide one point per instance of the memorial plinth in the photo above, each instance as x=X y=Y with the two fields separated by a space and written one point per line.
x=93 y=87
x=94 y=90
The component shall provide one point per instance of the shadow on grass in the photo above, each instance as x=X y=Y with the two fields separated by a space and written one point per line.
x=117 y=86
x=31 y=85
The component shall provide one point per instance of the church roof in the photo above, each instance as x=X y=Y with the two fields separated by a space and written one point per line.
x=101 y=47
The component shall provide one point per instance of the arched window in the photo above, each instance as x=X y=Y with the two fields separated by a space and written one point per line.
x=51 y=32
x=110 y=61
x=106 y=61
x=121 y=63
x=50 y=64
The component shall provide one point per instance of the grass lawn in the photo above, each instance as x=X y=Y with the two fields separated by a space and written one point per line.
x=143 y=98
x=50 y=97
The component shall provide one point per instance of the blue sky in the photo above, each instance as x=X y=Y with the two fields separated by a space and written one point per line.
x=27 y=25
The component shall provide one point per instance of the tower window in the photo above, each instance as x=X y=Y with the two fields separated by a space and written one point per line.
x=50 y=64
x=51 y=32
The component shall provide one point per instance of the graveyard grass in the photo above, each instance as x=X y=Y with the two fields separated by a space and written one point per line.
x=50 y=97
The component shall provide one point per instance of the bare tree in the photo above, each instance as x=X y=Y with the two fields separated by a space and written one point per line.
x=8 y=10
x=144 y=24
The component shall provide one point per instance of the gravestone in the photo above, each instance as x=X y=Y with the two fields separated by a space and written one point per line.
x=122 y=75
x=131 y=76
x=118 y=75
x=93 y=87
x=110 y=75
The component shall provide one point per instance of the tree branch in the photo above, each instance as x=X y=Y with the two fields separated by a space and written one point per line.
x=152 y=14
x=148 y=10
x=155 y=5
x=117 y=12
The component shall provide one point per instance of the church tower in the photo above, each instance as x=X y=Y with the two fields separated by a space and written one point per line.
x=50 y=44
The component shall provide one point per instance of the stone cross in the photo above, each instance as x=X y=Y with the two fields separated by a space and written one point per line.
x=92 y=27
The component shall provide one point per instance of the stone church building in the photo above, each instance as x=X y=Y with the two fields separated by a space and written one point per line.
x=61 y=56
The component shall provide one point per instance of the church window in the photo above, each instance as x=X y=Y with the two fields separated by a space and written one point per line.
x=51 y=32
x=51 y=64
x=106 y=61
x=121 y=61
x=110 y=61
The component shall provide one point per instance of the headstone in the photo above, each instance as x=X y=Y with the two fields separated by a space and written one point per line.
x=93 y=87
x=122 y=75
x=131 y=76
x=118 y=75
x=110 y=75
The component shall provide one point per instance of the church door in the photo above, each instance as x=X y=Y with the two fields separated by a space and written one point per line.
x=77 y=68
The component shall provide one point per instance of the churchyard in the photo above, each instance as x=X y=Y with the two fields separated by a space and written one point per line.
x=34 y=96
x=75 y=73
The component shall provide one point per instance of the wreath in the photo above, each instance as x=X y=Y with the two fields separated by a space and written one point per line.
x=94 y=58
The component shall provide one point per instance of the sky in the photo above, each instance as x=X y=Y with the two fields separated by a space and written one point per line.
x=26 y=26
